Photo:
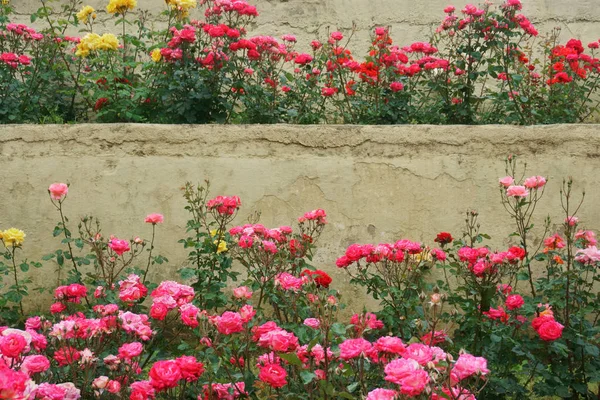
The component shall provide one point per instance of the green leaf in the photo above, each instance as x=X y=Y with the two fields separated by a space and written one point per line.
x=352 y=387
x=307 y=376
x=291 y=358
x=24 y=267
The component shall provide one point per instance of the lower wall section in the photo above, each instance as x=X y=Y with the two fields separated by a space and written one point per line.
x=377 y=184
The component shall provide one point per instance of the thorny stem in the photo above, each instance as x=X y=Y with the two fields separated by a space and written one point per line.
x=17 y=280
x=150 y=252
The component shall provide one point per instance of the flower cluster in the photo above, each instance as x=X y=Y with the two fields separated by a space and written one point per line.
x=224 y=205
x=94 y=42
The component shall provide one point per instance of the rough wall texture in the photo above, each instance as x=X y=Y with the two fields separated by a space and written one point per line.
x=376 y=183
x=410 y=20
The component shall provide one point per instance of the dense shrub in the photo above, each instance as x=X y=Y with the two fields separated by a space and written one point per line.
x=483 y=65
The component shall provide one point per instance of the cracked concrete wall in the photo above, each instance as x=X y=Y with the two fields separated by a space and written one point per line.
x=377 y=183
x=409 y=20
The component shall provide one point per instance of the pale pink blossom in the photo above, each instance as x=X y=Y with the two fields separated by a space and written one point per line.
x=507 y=181
x=312 y=323
x=535 y=182
x=242 y=292
x=154 y=219
x=517 y=191
x=58 y=190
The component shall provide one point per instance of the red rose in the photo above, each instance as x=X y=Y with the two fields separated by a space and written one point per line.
x=321 y=278
x=66 y=355
x=101 y=102
x=514 y=302
x=443 y=238
x=130 y=350
x=190 y=368
x=516 y=252
x=158 y=311
x=274 y=375
x=354 y=252
x=57 y=308
x=538 y=321
x=165 y=374
x=550 y=330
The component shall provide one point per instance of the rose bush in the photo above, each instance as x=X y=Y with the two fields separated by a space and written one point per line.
x=488 y=329
x=483 y=65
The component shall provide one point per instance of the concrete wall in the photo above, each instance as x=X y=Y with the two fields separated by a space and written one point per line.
x=376 y=183
x=410 y=20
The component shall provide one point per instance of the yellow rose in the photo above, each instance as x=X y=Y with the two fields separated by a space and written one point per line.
x=221 y=247
x=84 y=15
x=120 y=6
x=88 y=43
x=156 y=56
x=184 y=4
x=108 y=41
x=13 y=237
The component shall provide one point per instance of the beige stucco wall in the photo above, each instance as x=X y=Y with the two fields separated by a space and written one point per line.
x=410 y=20
x=376 y=183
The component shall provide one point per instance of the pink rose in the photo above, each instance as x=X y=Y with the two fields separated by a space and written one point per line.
x=396 y=86
x=33 y=323
x=468 y=365
x=141 y=390
x=12 y=345
x=35 y=364
x=507 y=181
x=131 y=289
x=190 y=368
x=58 y=191
x=390 y=344
x=130 y=350
x=289 y=282
x=258 y=331
x=100 y=382
x=230 y=322
x=274 y=375
x=247 y=312
x=312 y=323
x=154 y=219
x=415 y=383
x=279 y=340
x=337 y=36
x=119 y=246
x=354 y=348
x=189 y=315
x=165 y=375
x=242 y=292
x=99 y=292
x=113 y=386
x=159 y=311
x=438 y=254
x=571 y=221
x=399 y=369
x=382 y=394
x=419 y=352
x=535 y=182
x=224 y=205
x=517 y=191
x=58 y=391
x=514 y=302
